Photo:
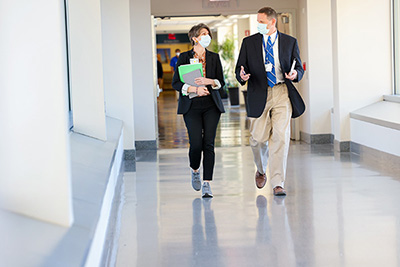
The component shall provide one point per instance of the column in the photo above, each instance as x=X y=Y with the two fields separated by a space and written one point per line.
x=315 y=40
x=144 y=79
x=86 y=67
x=35 y=175
x=117 y=60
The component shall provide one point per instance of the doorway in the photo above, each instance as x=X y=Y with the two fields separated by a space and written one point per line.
x=171 y=34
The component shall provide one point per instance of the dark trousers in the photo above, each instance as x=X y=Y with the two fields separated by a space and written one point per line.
x=201 y=123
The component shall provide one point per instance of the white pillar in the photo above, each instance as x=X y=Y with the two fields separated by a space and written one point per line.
x=145 y=108
x=86 y=68
x=117 y=60
x=316 y=52
x=35 y=176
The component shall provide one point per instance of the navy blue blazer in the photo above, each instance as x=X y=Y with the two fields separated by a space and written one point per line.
x=213 y=71
x=251 y=58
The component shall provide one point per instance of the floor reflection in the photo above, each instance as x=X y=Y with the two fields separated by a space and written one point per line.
x=263 y=225
x=338 y=211
x=204 y=235
x=232 y=129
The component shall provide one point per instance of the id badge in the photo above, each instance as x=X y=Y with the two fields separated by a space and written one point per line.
x=268 y=67
x=194 y=61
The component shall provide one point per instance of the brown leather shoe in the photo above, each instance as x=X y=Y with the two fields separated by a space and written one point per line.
x=279 y=191
x=261 y=179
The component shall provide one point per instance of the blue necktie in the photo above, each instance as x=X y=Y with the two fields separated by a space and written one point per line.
x=270 y=58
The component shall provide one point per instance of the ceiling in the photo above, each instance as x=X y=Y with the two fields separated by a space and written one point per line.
x=183 y=24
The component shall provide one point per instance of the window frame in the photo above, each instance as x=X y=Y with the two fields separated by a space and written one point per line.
x=395 y=23
x=70 y=121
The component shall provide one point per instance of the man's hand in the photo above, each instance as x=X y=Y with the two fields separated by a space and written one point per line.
x=243 y=74
x=291 y=76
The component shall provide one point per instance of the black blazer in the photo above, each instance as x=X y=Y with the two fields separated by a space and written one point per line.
x=213 y=71
x=251 y=58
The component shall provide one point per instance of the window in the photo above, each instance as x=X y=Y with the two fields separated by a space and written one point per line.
x=70 y=125
x=396 y=39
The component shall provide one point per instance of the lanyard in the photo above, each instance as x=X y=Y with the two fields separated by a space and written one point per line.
x=265 y=48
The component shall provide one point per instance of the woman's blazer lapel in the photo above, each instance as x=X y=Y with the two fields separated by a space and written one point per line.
x=209 y=64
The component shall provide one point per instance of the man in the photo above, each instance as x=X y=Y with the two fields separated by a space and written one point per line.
x=174 y=60
x=265 y=62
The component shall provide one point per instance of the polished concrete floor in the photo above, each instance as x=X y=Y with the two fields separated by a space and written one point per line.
x=232 y=128
x=338 y=212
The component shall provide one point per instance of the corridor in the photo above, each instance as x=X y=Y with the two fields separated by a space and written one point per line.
x=338 y=212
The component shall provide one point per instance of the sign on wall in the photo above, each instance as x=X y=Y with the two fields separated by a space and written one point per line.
x=172 y=38
x=220 y=3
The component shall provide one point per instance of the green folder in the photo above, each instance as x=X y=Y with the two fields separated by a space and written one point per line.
x=187 y=68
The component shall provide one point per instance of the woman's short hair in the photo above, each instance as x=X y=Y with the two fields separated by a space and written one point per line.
x=195 y=32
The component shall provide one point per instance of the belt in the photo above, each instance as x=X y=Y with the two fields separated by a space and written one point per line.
x=277 y=83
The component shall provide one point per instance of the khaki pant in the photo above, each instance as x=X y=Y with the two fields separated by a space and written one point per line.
x=270 y=135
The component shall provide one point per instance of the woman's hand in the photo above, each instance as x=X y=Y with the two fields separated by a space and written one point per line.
x=202 y=91
x=204 y=81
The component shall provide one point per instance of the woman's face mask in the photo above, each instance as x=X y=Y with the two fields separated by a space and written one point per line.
x=205 y=40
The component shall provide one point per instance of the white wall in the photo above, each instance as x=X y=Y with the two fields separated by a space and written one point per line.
x=303 y=86
x=360 y=78
x=86 y=67
x=143 y=71
x=319 y=67
x=335 y=42
x=34 y=154
x=243 y=25
x=366 y=134
x=117 y=61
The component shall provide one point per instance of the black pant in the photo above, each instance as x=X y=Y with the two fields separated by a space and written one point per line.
x=201 y=122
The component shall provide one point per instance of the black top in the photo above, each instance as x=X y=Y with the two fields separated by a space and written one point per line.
x=251 y=58
x=160 y=71
x=213 y=71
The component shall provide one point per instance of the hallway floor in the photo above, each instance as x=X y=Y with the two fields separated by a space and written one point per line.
x=232 y=130
x=338 y=212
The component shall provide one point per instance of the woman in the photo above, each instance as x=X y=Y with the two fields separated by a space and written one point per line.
x=201 y=105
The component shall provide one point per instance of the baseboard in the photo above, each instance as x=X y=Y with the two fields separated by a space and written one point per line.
x=130 y=159
x=341 y=146
x=377 y=159
x=146 y=145
x=316 y=139
x=129 y=154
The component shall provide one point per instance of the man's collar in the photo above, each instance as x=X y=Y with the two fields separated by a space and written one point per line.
x=273 y=36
